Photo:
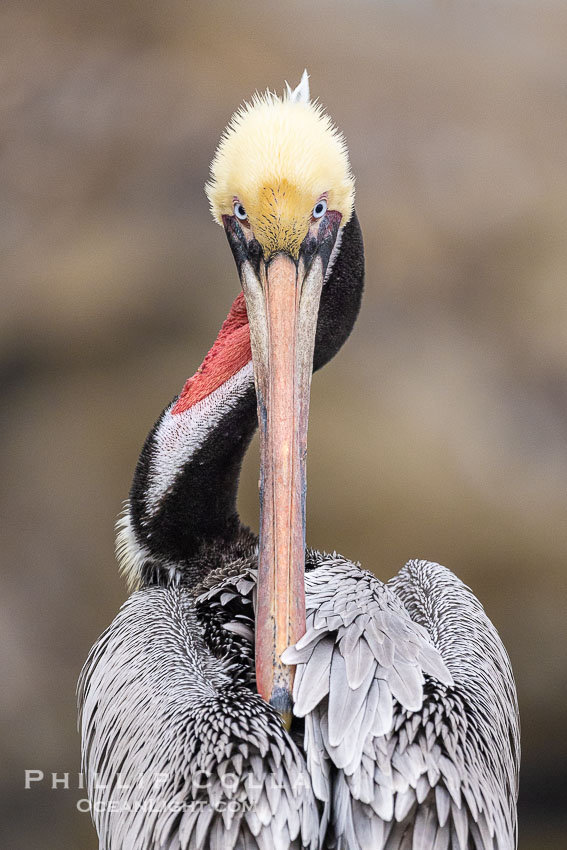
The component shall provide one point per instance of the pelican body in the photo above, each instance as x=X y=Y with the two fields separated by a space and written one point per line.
x=252 y=693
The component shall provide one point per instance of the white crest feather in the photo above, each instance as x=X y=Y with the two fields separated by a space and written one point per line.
x=300 y=93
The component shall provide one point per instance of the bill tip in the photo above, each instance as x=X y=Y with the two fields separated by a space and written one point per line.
x=282 y=701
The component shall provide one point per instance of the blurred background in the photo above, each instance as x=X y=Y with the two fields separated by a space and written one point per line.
x=441 y=429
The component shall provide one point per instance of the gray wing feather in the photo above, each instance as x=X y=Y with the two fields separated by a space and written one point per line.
x=409 y=707
x=191 y=759
x=409 y=691
x=469 y=733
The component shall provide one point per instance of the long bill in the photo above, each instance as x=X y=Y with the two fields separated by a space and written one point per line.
x=282 y=302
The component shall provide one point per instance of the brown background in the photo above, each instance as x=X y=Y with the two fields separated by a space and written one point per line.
x=441 y=429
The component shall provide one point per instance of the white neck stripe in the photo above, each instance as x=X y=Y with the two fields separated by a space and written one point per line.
x=179 y=436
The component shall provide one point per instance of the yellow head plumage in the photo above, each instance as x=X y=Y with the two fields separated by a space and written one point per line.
x=277 y=157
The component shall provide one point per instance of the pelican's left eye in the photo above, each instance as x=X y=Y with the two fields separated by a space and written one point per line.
x=320 y=208
x=239 y=211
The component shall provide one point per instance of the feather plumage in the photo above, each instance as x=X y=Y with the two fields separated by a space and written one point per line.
x=396 y=749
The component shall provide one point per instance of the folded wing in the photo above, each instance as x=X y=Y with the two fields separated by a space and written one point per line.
x=410 y=715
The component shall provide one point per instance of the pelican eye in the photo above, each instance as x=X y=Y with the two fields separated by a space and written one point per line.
x=320 y=208
x=239 y=211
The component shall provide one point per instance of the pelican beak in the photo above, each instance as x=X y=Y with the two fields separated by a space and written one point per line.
x=282 y=299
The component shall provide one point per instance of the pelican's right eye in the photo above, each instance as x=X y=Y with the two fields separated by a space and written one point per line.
x=239 y=211
x=320 y=208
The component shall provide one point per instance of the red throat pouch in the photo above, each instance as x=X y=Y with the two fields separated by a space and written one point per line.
x=230 y=352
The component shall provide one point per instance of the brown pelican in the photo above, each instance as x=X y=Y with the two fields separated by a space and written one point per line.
x=400 y=729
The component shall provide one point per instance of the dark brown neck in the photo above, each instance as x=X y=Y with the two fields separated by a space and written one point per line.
x=183 y=497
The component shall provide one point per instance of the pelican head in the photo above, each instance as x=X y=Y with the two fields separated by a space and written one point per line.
x=282 y=187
